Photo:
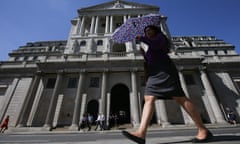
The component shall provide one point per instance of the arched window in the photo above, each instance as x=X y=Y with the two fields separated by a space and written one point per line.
x=83 y=43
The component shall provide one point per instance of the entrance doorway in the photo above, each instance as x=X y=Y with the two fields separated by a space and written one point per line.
x=92 y=108
x=120 y=104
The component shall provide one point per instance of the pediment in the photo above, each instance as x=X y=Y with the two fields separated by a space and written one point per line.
x=118 y=4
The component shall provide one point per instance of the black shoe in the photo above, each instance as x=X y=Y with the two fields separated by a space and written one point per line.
x=207 y=139
x=133 y=138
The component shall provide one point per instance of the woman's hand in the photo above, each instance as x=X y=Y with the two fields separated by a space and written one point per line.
x=138 y=37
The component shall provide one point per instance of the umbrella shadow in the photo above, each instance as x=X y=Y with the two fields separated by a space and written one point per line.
x=214 y=139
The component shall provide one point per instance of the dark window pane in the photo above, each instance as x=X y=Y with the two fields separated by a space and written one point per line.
x=99 y=42
x=72 y=83
x=189 y=79
x=51 y=83
x=94 y=82
x=82 y=43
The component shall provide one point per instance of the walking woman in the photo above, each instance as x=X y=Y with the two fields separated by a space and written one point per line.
x=163 y=83
x=4 y=125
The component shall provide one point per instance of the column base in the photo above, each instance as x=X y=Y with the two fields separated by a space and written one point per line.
x=136 y=125
x=21 y=125
x=221 y=122
x=74 y=127
x=165 y=124
x=47 y=127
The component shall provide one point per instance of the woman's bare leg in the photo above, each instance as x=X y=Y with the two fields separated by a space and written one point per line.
x=147 y=113
x=194 y=114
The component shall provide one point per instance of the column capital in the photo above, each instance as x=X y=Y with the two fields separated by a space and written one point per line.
x=134 y=69
x=82 y=71
x=105 y=70
x=180 y=68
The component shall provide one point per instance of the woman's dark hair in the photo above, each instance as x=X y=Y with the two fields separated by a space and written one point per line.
x=158 y=30
x=153 y=27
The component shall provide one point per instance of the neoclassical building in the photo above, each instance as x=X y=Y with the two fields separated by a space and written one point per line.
x=50 y=84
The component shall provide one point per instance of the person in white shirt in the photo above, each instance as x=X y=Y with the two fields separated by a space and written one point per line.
x=100 y=121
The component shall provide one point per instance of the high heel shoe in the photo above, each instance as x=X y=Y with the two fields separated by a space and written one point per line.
x=133 y=138
x=207 y=139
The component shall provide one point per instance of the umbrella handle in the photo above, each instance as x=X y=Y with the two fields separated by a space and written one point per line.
x=134 y=24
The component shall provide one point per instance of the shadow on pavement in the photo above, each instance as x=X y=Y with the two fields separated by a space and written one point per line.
x=185 y=141
x=226 y=138
x=214 y=139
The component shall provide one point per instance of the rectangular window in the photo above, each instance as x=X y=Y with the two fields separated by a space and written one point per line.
x=3 y=91
x=100 y=42
x=206 y=52
x=72 y=83
x=94 y=82
x=51 y=83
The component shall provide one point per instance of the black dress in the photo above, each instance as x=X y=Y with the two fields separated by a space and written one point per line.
x=162 y=76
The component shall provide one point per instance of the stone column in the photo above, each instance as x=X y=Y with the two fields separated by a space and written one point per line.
x=102 y=108
x=129 y=48
x=187 y=118
x=29 y=101
x=108 y=108
x=92 y=25
x=212 y=98
x=83 y=106
x=228 y=81
x=124 y=18
x=111 y=24
x=36 y=102
x=77 y=104
x=96 y=25
x=8 y=96
x=107 y=25
x=135 y=112
x=161 y=113
x=82 y=27
x=78 y=26
x=53 y=102
x=230 y=85
x=140 y=103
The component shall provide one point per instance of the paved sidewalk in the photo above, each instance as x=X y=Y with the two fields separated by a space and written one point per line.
x=35 y=130
x=157 y=135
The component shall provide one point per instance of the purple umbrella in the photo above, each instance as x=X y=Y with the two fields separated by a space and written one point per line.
x=133 y=27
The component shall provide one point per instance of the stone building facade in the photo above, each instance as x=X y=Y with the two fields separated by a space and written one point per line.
x=48 y=84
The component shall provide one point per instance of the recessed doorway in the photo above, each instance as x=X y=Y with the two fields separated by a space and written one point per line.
x=120 y=103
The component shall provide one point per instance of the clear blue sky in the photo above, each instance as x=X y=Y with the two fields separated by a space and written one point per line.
x=23 y=21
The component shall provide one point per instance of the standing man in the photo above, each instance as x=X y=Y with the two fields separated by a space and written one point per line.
x=102 y=121
x=90 y=121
